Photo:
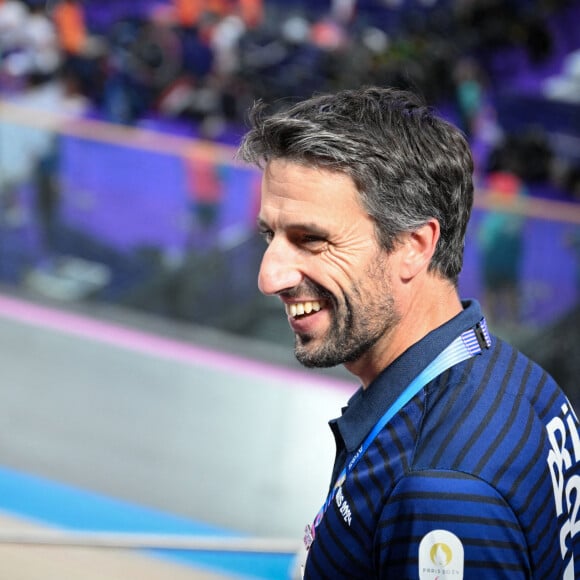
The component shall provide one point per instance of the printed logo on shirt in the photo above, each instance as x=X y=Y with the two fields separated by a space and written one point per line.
x=563 y=431
x=440 y=556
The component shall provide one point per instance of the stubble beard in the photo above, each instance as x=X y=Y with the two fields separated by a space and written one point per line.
x=354 y=330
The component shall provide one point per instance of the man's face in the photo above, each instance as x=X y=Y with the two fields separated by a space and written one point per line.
x=324 y=261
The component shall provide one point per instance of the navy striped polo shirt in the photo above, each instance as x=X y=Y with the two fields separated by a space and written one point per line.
x=476 y=477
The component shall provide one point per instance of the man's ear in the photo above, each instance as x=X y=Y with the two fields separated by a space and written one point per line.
x=418 y=249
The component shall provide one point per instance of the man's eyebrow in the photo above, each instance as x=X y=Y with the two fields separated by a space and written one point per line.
x=310 y=227
x=262 y=225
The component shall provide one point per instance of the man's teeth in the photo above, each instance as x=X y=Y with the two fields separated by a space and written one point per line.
x=303 y=308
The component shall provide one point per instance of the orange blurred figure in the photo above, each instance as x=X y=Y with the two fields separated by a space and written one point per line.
x=69 y=19
x=188 y=12
x=252 y=12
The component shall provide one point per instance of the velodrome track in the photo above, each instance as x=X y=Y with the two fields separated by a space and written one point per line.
x=32 y=562
x=110 y=427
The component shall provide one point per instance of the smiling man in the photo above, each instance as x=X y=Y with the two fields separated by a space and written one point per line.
x=458 y=456
x=334 y=291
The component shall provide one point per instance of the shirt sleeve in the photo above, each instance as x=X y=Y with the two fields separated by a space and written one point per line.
x=447 y=524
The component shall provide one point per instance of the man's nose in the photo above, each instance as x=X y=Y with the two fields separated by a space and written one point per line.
x=279 y=270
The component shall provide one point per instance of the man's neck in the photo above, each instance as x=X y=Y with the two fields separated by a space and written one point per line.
x=419 y=315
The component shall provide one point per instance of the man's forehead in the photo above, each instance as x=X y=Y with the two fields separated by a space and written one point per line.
x=308 y=198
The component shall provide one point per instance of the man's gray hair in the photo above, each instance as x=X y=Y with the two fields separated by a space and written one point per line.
x=408 y=164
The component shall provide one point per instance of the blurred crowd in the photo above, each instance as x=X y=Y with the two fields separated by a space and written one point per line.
x=206 y=59
x=197 y=65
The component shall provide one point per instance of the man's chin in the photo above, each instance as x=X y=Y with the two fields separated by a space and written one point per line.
x=309 y=356
x=315 y=363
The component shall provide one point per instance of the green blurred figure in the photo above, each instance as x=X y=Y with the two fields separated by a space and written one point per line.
x=501 y=245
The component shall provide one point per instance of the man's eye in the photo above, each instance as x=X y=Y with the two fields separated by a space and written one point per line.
x=311 y=239
x=267 y=235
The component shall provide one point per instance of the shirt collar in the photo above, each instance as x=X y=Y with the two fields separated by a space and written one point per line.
x=367 y=406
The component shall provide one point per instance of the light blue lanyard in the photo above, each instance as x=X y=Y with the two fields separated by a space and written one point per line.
x=468 y=344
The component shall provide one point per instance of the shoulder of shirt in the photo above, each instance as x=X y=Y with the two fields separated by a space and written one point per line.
x=478 y=412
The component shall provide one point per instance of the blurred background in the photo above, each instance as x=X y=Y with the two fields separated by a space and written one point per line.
x=149 y=390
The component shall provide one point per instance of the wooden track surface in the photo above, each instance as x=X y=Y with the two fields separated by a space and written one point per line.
x=25 y=562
